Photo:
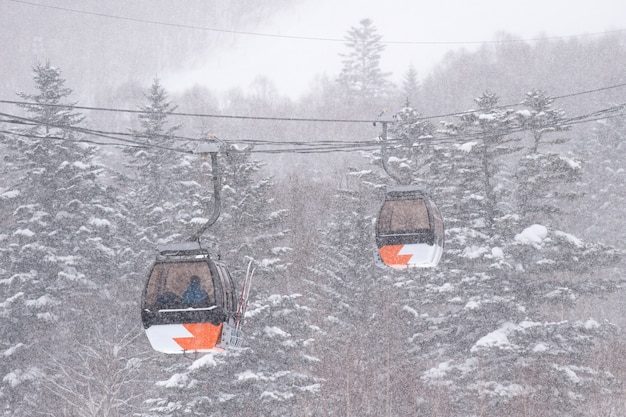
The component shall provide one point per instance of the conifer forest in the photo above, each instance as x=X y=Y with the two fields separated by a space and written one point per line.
x=519 y=143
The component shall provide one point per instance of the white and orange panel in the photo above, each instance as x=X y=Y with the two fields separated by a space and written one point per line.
x=414 y=255
x=187 y=337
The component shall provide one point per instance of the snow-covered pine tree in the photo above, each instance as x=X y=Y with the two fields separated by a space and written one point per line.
x=409 y=154
x=483 y=321
x=491 y=126
x=160 y=170
x=51 y=113
x=154 y=118
x=361 y=75
x=549 y=184
x=63 y=257
x=607 y=190
x=157 y=132
x=545 y=178
x=352 y=302
x=410 y=87
x=472 y=179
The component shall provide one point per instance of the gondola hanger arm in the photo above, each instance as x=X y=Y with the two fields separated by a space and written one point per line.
x=212 y=148
x=384 y=119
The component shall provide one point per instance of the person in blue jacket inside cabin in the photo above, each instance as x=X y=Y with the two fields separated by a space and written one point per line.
x=195 y=294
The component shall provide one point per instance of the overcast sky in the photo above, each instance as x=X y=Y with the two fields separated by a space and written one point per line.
x=428 y=31
x=214 y=42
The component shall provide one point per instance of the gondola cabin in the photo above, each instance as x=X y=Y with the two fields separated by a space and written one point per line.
x=188 y=302
x=409 y=229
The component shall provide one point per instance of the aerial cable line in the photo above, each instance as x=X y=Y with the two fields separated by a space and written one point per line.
x=35 y=122
x=110 y=135
x=366 y=146
x=176 y=25
x=89 y=141
x=311 y=150
x=595 y=90
x=308 y=147
x=298 y=147
x=255 y=142
x=207 y=115
x=132 y=143
x=306 y=38
x=607 y=113
x=22 y=120
x=505 y=106
x=293 y=119
x=595 y=119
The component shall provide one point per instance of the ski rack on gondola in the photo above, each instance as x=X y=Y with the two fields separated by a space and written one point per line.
x=232 y=333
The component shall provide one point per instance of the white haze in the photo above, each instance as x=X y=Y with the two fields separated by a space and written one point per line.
x=418 y=34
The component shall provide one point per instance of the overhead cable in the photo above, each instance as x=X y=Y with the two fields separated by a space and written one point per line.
x=300 y=147
x=293 y=119
x=306 y=38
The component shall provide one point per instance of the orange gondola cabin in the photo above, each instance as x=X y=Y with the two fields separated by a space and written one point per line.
x=409 y=229
x=188 y=302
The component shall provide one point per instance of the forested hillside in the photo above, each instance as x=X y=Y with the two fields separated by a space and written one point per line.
x=518 y=142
